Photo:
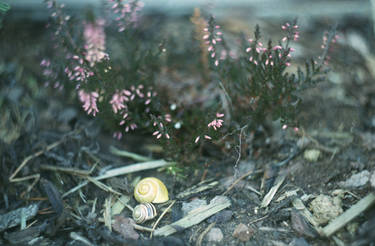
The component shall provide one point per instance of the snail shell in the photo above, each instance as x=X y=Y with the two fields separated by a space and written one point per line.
x=151 y=190
x=144 y=212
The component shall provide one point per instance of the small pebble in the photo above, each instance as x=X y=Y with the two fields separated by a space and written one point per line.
x=242 y=232
x=312 y=155
x=221 y=217
x=372 y=180
x=357 y=180
x=215 y=235
x=325 y=208
x=299 y=242
x=125 y=226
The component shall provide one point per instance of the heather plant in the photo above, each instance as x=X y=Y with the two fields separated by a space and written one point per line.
x=4 y=7
x=235 y=88
x=256 y=82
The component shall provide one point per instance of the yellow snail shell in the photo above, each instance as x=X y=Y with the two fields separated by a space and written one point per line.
x=143 y=212
x=151 y=190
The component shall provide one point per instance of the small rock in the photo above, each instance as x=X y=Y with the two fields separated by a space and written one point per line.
x=215 y=235
x=125 y=226
x=357 y=180
x=352 y=228
x=190 y=206
x=325 y=208
x=311 y=155
x=242 y=232
x=245 y=166
x=368 y=140
x=221 y=217
x=299 y=242
x=303 y=142
x=372 y=180
x=300 y=225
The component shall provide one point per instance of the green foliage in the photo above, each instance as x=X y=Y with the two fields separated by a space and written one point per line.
x=4 y=8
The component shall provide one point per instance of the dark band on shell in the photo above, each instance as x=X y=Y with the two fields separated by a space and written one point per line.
x=144 y=212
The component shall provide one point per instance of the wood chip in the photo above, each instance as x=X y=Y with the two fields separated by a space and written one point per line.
x=13 y=218
x=268 y=198
x=298 y=204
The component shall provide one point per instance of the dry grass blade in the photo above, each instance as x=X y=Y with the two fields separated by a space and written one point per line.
x=197 y=189
x=121 y=171
x=268 y=198
x=36 y=177
x=128 y=154
x=195 y=217
x=349 y=214
x=107 y=212
x=299 y=206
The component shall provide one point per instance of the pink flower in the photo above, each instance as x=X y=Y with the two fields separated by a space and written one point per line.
x=197 y=139
x=216 y=123
x=127 y=13
x=167 y=118
x=95 y=41
x=117 y=102
x=89 y=101
x=117 y=135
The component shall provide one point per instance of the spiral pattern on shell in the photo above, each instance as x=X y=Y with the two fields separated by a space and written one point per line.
x=144 y=212
x=151 y=190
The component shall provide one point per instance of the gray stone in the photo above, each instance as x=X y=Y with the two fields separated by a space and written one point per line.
x=215 y=235
x=357 y=180
x=299 y=242
x=372 y=180
x=221 y=217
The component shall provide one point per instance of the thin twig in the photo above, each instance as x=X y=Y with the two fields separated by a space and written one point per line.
x=238 y=180
x=239 y=152
x=259 y=219
x=142 y=228
x=73 y=171
x=126 y=205
x=103 y=186
x=161 y=216
x=75 y=236
x=30 y=157
x=201 y=236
